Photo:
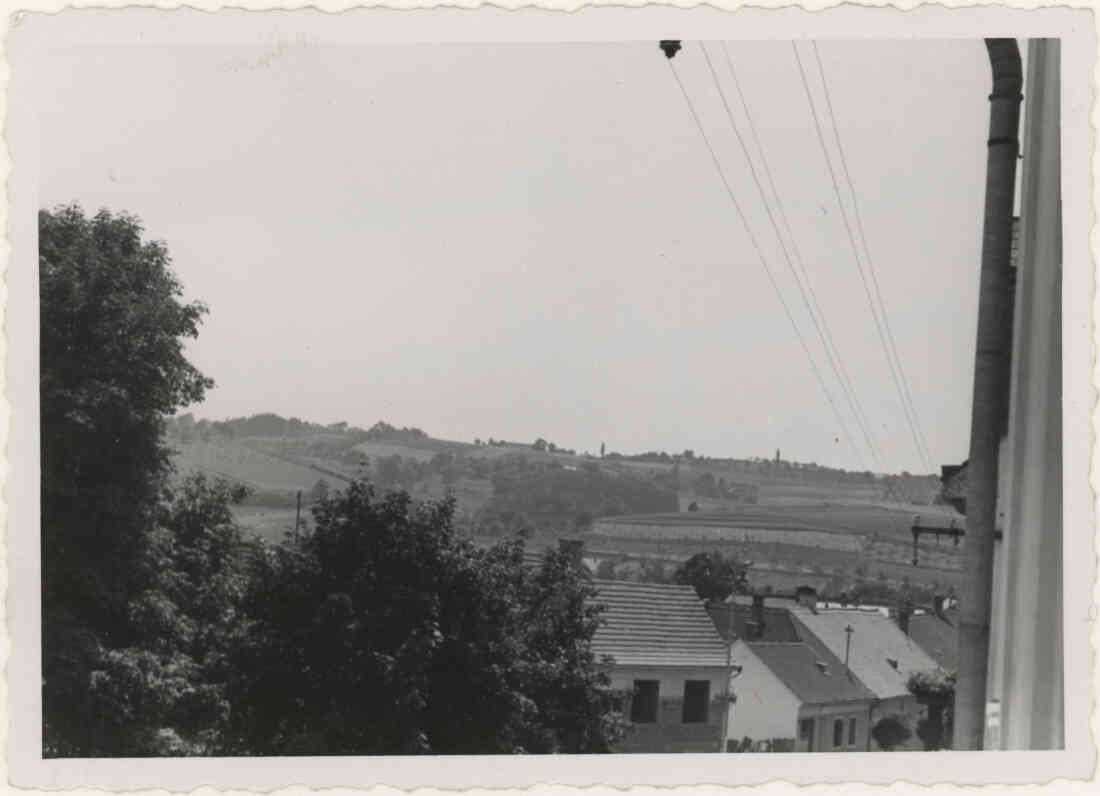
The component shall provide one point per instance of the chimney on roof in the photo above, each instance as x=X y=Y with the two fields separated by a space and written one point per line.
x=573 y=548
x=806 y=596
x=904 y=611
x=756 y=623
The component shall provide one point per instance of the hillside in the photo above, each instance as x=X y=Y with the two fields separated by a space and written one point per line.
x=795 y=521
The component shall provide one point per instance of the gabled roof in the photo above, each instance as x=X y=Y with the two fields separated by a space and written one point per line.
x=937 y=636
x=815 y=676
x=880 y=654
x=651 y=624
x=778 y=625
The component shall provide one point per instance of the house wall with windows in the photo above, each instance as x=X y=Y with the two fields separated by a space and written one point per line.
x=833 y=728
x=671 y=709
x=661 y=649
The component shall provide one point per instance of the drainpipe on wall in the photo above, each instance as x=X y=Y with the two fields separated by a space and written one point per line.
x=992 y=365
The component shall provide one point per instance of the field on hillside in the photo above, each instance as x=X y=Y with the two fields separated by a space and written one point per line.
x=867 y=519
x=799 y=529
x=238 y=462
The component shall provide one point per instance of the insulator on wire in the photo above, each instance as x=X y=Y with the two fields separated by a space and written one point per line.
x=670 y=47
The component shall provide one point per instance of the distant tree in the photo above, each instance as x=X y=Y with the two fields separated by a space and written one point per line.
x=540 y=444
x=689 y=454
x=705 y=485
x=320 y=490
x=113 y=329
x=713 y=575
x=603 y=449
x=693 y=506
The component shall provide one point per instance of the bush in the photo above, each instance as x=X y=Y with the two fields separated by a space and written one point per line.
x=891 y=732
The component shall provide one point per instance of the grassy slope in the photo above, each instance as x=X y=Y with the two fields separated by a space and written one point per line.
x=784 y=502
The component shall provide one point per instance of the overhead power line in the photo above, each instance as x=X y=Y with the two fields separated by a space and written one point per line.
x=760 y=253
x=855 y=253
x=832 y=355
x=922 y=442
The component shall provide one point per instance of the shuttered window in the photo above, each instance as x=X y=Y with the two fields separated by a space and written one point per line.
x=696 y=701
x=643 y=707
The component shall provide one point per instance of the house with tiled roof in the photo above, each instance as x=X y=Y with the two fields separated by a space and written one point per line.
x=797 y=697
x=877 y=652
x=662 y=650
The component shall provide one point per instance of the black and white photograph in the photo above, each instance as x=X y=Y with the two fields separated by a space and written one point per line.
x=720 y=390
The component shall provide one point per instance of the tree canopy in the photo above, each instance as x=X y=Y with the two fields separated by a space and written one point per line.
x=713 y=575
x=112 y=333
x=383 y=632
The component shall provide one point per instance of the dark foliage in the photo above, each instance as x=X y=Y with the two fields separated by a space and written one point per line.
x=935 y=690
x=112 y=366
x=384 y=632
x=713 y=575
x=166 y=633
x=560 y=501
x=891 y=732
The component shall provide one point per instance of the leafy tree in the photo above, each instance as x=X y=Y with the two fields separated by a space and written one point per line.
x=713 y=575
x=891 y=732
x=384 y=632
x=936 y=690
x=112 y=333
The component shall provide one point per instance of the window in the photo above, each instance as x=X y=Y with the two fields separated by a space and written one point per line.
x=851 y=732
x=806 y=733
x=838 y=733
x=643 y=708
x=696 y=701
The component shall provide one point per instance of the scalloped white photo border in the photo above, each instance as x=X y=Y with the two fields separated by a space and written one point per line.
x=27 y=25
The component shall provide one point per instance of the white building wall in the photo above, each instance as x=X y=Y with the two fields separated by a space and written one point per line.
x=669 y=733
x=765 y=708
x=824 y=718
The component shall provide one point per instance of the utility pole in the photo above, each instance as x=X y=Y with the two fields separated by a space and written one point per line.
x=298 y=515
x=992 y=364
x=848 y=631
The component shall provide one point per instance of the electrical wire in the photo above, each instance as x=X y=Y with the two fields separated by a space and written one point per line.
x=760 y=256
x=855 y=250
x=835 y=363
x=922 y=442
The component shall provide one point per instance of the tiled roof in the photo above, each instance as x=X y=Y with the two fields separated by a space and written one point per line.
x=778 y=625
x=880 y=655
x=939 y=637
x=815 y=676
x=650 y=624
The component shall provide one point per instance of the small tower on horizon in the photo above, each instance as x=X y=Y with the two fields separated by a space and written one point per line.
x=777 y=455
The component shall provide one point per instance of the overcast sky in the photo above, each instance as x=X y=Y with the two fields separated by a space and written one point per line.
x=531 y=240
